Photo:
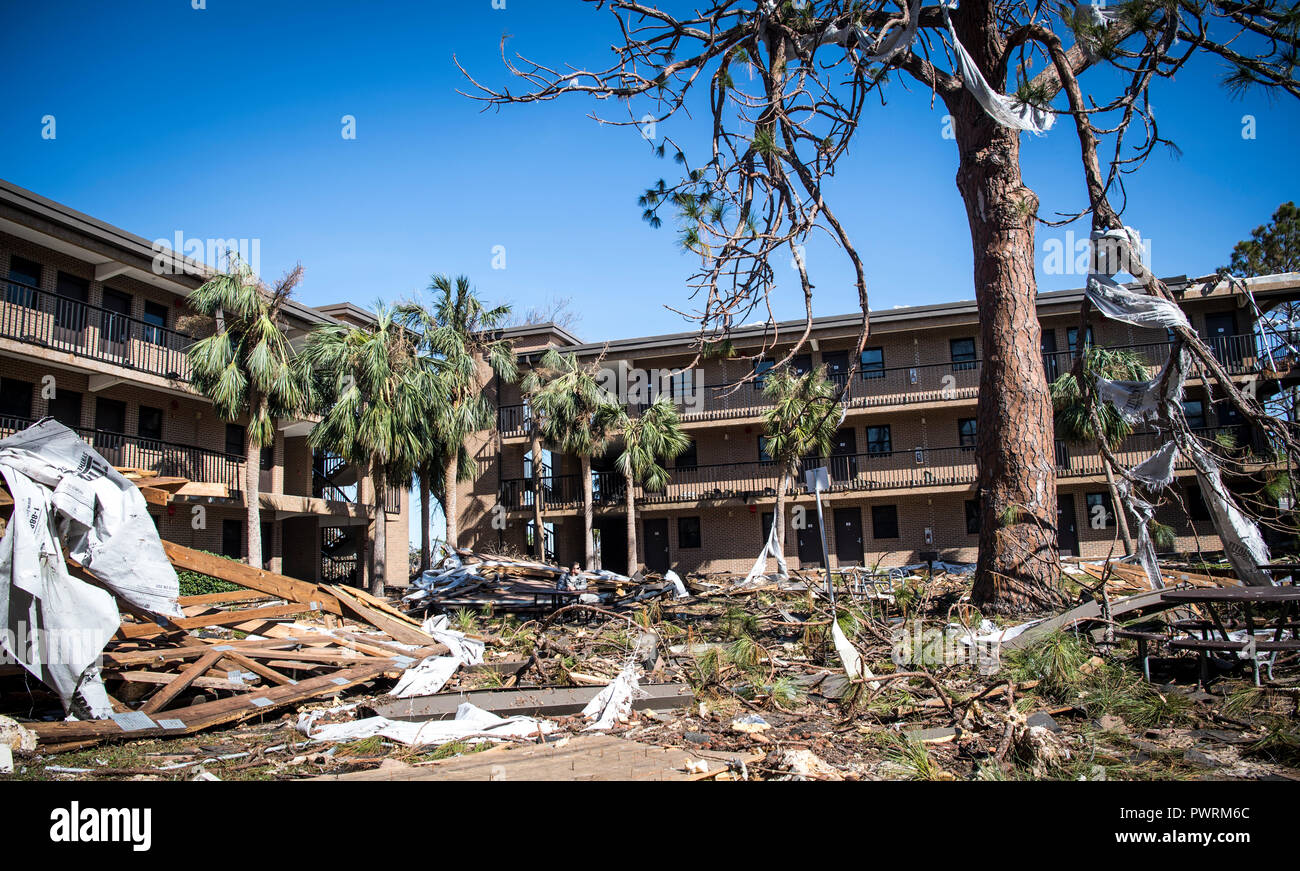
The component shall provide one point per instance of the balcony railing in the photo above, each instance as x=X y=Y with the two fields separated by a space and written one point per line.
x=903 y=385
x=167 y=459
x=51 y=321
x=863 y=472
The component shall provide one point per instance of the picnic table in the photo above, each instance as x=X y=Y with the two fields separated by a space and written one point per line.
x=1248 y=598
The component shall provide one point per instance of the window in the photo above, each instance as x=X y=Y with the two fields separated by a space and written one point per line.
x=65 y=407
x=963 y=354
x=760 y=368
x=683 y=385
x=232 y=539
x=548 y=539
x=110 y=415
x=267 y=461
x=967 y=430
x=1101 y=514
x=884 y=521
x=766 y=526
x=972 y=517
x=24 y=281
x=879 y=440
x=801 y=364
x=15 y=402
x=689 y=458
x=155 y=316
x=763 y=455
x=1072 y=339
x=113 y=319
x=70 y=307
x=837 y=365
x=688 y=532
x=873 y=363
x=1195 y=503
x=151 y=423
x=1194 y=411
x=234 y=439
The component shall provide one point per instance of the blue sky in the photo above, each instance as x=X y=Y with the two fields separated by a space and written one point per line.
x=225 y=122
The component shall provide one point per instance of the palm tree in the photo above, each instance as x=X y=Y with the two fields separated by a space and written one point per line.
x=1075 y=418
x=531 y=387
x=459 y=330
x=649 y=440
x=575 y=410
x=802 y=420
x=376 y=389
x=246 y=368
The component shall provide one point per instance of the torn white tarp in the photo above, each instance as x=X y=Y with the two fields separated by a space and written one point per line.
x=895 y=36
x=854 y=667
x=1003 y=109
x=1155 y=473
x=1242 y=542
x=770 y=547
x=101 y=515
x=471 y=724
x=55 y=625
x=1139 y=309
x=69 y=496
x=432 y=674
x=1138 y=401
x=1120 y=250
x=613 y=704
x=673 y=578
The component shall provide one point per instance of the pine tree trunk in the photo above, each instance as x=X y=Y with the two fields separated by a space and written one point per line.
x=426 y=550
x=1019 y=562
x=588 y=545
x=539 y=532
x=1119 y=508
x=629 y=497
x=252 y=498
x=450 y=474
x=380 y=576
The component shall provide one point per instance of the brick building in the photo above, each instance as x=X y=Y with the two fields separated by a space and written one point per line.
x=91 y=334
x=903 y=467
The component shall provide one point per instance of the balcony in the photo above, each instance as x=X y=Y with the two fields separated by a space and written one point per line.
x=911 y=385
x=167 y=459
x=46 y=320
x=920 y=468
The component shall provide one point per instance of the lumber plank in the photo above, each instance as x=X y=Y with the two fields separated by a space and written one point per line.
x=230 y=598
x=259 y=669
x=221 y=618
x=161 y=699
x=252 y=578
x=220 y=712
x=399 y=630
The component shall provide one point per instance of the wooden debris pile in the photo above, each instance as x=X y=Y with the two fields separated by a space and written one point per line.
x=471 y=580
x=276 y=642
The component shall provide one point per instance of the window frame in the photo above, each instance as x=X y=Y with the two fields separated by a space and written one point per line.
x=870 y=370
x=685 y=535
x=878 y=516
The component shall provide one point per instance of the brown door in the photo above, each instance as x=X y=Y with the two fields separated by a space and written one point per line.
x=848 y=536
x=1067 y=534
x=656 y=544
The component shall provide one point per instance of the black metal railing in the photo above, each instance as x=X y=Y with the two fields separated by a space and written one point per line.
x=875 y=470
x=902 y=385
x=52 y=321
x=166 y=458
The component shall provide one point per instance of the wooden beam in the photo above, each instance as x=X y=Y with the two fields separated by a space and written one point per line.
x=167 y=694
x=244 y=575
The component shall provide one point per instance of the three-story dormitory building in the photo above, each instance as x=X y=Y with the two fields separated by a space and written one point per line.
x=92 y=334
x=902 y=468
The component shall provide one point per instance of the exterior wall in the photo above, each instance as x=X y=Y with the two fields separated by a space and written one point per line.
x=730 y=490
x=193 y=436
